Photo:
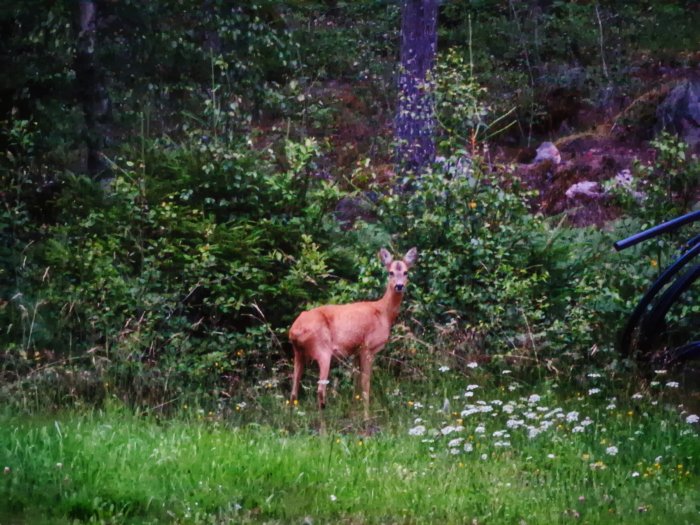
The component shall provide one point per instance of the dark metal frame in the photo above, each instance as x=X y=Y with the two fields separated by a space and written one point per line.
x=648 y=320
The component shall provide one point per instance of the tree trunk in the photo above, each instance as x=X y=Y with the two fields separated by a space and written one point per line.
x=91 y=88
x=212 y=40
x=415 y=121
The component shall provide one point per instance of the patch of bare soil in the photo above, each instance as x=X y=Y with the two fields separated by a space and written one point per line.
x=572 y=182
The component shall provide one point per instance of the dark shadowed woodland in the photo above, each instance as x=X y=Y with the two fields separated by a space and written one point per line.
x=181 y=178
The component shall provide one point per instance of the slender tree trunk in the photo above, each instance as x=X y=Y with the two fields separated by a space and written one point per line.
x=91 y=88
x=212 y=40
x=415 y=120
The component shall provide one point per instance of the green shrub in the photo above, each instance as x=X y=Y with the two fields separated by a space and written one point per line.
x=178 y=265
x=496 y=282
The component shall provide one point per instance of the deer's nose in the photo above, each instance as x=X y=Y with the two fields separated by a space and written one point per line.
x=399 y=287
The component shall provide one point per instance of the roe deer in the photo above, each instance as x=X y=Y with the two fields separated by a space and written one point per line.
x=343 y=330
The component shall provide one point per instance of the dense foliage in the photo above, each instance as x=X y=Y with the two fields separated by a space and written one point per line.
x=178 y=275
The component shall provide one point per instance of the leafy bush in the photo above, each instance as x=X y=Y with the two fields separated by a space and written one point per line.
x=494 y=281
x=663 y=188
x=170 y=275
x=183 y=277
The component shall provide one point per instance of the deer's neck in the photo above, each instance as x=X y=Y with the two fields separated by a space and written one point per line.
x=391 y=303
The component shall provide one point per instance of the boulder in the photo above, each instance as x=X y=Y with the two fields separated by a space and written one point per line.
x=585 y=188
x=547 y=151
x=679 y=112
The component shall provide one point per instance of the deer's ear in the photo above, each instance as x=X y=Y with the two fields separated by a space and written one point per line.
x=385 y=257
x=411 y=257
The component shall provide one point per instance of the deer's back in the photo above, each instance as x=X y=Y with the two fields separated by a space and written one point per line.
x=344 y=328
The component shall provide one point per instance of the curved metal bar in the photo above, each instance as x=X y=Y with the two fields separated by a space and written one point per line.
x=684 y=353
x=688 y=245
x=654 y=322
x=645 y=301
x=657 y=230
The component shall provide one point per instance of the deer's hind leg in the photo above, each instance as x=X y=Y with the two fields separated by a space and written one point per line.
x=299 y=362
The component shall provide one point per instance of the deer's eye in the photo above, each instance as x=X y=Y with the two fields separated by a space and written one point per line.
x=391 y=274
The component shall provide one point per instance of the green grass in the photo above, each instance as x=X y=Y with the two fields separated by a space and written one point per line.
x=470 y=458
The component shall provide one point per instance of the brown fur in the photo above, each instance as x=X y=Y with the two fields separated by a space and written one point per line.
x=343 y=330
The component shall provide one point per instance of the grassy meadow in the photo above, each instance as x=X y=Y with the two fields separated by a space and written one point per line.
x=453 y=449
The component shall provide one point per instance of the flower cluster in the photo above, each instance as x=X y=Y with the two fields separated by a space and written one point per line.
x=487 y=427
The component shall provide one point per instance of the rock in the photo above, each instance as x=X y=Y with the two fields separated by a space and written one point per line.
x=350 y=209
x=547 y=151
x=624 y=180
x=585 y=188
x=679 y=112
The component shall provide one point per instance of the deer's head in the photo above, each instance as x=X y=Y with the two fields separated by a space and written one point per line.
x=398 y=270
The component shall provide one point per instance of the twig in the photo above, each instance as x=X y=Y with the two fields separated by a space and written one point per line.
x=601 y=42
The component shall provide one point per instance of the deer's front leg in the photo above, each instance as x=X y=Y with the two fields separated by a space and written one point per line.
x=324 y=367
x=366 y=358
x=356 y=376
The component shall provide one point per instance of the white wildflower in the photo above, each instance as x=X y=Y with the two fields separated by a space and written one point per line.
x=592 y=391
x=449 y=429
x=577 y=429
x=692 y=419
x=480 y=429
x=552 y=413
x=635 y=474
x=472 y=387
x=637 y=396
x=611 y=451
x=533 y=399
x=473 y=364
x=594 y=375
x=533 y=432
x=333 y=497
x=416 y=431
x=468 y=447
x=514 y=423
x=444 y=369
x=484 y=457
x=672 y=384
x=455 y=442
x=572 y=416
